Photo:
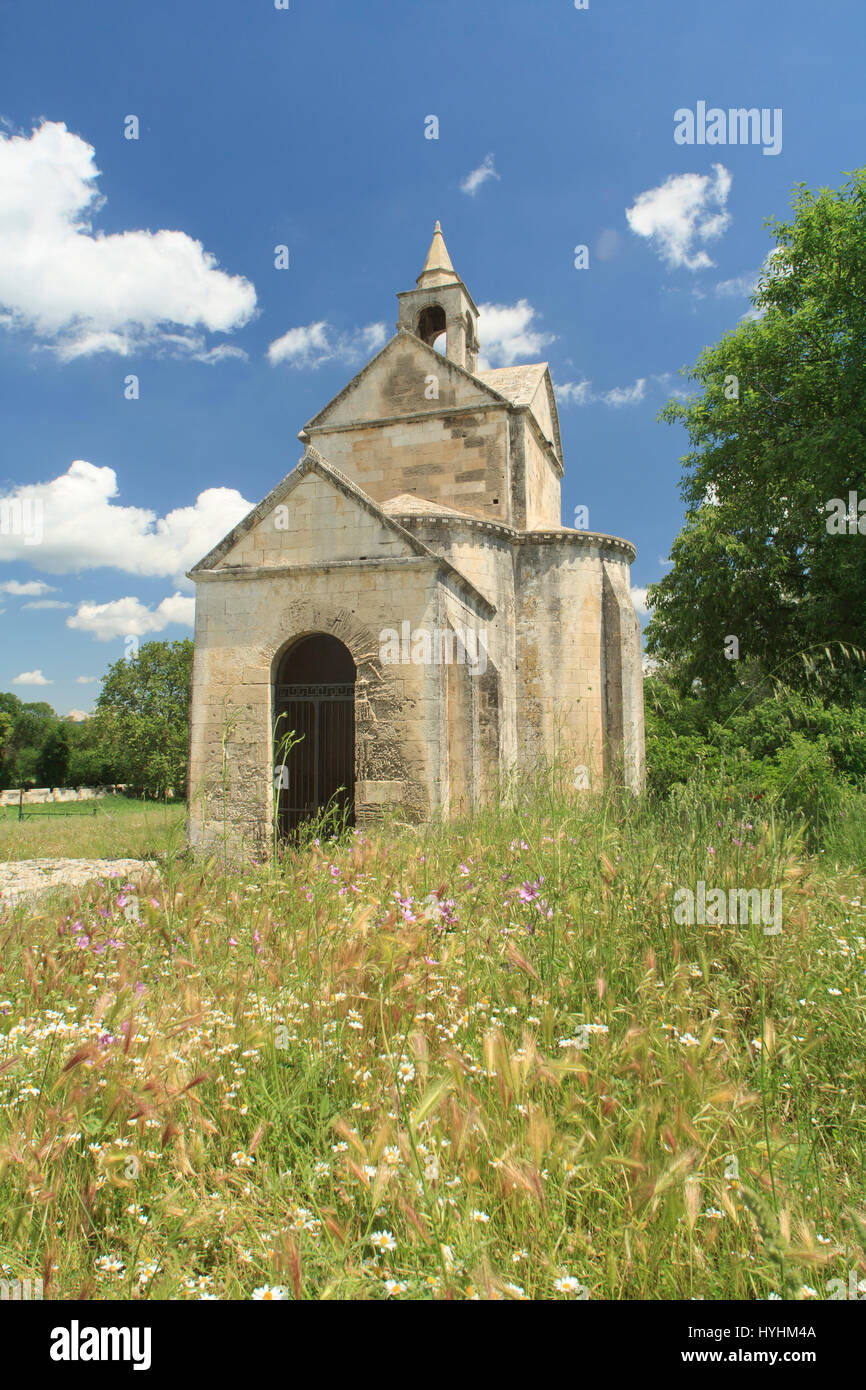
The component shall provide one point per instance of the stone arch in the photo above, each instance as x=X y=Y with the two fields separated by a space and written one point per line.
x=313 y=679
x=431 y=323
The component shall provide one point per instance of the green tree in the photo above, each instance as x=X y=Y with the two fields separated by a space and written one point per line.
x=777 y=431
x=53 y=763
x=141 y=719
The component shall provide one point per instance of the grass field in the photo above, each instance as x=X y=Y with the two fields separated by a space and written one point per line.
x=468 y=1061
x=120 y=828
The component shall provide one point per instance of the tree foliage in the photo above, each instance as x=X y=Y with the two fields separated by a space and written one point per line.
x=777 y=431
x=141 y=720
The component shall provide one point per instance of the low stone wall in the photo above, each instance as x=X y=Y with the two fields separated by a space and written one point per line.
x=39 y=796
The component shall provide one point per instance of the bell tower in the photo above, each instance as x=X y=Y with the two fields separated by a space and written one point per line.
x=442 y=304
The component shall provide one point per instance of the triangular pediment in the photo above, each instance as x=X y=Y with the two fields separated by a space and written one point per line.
x=406 y=378
x=314 y=516
x=318 y=516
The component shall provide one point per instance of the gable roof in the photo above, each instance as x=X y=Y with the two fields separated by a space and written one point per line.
x=404 y=336
x=407 y=504
x=313 y=462
x=520 y=385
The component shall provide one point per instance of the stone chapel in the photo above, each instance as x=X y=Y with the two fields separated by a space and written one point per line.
x=407 y=606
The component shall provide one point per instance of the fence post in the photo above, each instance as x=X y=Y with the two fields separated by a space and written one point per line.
x=21 y=804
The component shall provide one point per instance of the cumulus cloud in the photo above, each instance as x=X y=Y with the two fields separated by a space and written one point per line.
x=317 y=343
x=581 y=393
x=129 y=617
x=479 y=176
x=84 y=292
x=83 y=527
x=77 y=716
x=86 y=680
x=507 y=333
x=681 y=214
x=31 y=678
x=30 y=589
x=639 y=599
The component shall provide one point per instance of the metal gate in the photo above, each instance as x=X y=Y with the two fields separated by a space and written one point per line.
x=320 y=769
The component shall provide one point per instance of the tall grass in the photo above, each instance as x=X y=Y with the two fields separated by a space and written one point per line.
x=475 y=1060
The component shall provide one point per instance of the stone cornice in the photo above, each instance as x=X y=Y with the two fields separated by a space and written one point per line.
x=437 y=562
x=551 y=536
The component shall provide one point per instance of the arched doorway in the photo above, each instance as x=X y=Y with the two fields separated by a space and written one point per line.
x=314 y=699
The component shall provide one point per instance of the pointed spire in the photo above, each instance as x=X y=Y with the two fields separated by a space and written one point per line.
x=438 y=269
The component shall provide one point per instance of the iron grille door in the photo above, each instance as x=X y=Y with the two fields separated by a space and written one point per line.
x=320 y=769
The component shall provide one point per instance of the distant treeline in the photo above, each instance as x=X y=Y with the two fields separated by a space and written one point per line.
x=138 y=733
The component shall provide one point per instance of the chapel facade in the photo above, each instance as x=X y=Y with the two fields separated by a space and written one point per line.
x=403 y=623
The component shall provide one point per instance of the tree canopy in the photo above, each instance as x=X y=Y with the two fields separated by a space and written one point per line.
x=777 y=432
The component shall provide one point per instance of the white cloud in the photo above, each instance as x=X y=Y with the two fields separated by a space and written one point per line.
x=31 y=678
x=581 y=393
x=129 y=617
x=506 y=333
x=84 y=292
x=740 y=287
x=575 y=392
x=47 y=603
x=639 y=599
x=664 y=380
x=86 y=680
x=479 y=176
x=626 y=395
x=26 y=590
x=317 y=343
x=84 y=528
x=77 y=715
x=684 y=211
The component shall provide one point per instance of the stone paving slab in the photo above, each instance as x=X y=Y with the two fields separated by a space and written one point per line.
x=31 y=877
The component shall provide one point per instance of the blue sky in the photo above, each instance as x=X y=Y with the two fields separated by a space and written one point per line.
x=306 y=127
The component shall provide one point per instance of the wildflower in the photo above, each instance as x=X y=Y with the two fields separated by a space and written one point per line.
x=479 y=1216
x=110 y=1264
x=391 y=1155
x=146 y=1270
x=568 y=1285
x=383 y=1241
x=242 y=1160
x=394 y=1287
x=269 y=1293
